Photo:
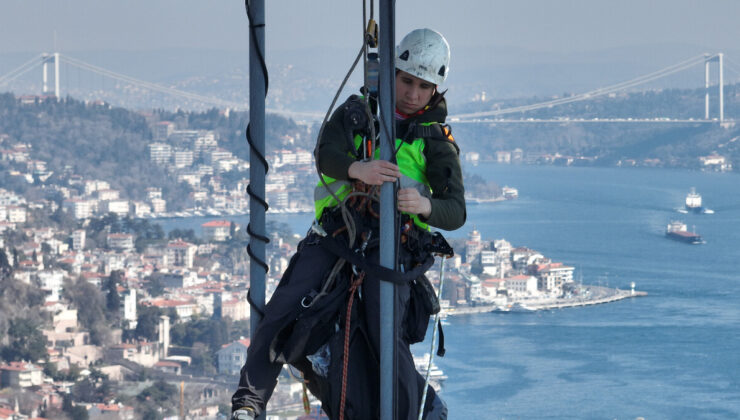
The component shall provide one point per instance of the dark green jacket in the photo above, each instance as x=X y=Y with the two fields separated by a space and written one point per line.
x=443 y=164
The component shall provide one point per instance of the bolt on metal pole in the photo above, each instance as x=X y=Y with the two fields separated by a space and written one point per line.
x=387 y=96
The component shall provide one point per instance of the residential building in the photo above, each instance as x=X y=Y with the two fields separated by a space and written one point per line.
x=81 y=209
x=121 y=241
x=78 y=240
x=162 y=130
x=521 y=285
x=216 y=230
x=183 y=158
x=552 y=277
x=232 y=356
x=20 y=375
x=181 y=253
x=160 y=153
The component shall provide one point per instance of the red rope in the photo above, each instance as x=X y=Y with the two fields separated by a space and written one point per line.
x=345 y=358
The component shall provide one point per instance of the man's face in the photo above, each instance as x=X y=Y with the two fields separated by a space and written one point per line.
x=412 y=93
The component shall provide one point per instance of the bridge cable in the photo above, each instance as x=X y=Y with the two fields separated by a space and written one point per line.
x=148 y=85
x=20 y=70
x=594 y=93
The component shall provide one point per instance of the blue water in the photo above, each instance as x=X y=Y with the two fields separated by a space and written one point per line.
x=674 y=354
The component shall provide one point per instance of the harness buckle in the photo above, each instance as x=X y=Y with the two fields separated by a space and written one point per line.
x=317 y=229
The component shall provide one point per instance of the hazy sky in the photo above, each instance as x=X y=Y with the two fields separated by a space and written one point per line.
x=540 y=25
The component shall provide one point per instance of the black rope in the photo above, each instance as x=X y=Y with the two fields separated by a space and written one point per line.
x=252 y=149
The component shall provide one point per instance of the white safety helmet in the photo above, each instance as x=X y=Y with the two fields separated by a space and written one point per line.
x=424 y=53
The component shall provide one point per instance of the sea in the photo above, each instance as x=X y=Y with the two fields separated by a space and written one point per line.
x=674 y=354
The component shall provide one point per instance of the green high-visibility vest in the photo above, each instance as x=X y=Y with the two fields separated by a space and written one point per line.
x=411 y=161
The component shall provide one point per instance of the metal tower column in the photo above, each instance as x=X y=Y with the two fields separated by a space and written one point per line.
x=721 y=89
x=45 y=73
x=56 y=75
x=706 y=86
x=387 y=95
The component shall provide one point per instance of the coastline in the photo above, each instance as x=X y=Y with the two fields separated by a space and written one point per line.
x=596 y=295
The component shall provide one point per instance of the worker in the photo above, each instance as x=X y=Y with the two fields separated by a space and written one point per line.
x=431 y=193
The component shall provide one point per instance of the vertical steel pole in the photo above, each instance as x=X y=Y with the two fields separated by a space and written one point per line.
x=257 y=164
x=387 y=96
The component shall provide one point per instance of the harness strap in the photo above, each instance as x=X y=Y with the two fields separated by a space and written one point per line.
x=374 y=270
x=435 y=132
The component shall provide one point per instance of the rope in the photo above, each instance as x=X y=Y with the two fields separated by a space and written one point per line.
x=252 y=148
x=434 y=337
x=345 y=358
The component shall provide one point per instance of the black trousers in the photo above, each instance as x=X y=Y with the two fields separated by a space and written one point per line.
x=307 y=270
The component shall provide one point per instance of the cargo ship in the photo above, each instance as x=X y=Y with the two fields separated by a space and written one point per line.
x=677 y=231
x=694 y=205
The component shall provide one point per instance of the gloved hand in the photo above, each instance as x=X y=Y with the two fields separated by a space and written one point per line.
x=243 y=414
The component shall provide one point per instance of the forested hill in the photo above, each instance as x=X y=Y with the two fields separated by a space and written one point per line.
x=661 y=143
x=97 y=141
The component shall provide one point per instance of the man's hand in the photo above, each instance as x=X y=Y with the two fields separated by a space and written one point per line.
x=411 y=201
x=374 y=172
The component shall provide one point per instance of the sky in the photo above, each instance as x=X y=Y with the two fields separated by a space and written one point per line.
x=507 y=48
x=557 y=26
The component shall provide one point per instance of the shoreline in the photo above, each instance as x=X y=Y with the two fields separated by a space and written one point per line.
x=597 y=295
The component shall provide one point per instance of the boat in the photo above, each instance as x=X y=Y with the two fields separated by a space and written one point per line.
x=514 y=307
x=436 y=375
x=693 y=203
x=677 y=231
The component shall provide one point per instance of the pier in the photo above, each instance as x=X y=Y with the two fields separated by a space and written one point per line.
x=592 y=295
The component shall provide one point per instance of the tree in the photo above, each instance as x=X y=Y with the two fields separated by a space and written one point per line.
x=90 y=304
x=75 y=412
x=112 y=298
x=147 y=323
x=26 y=341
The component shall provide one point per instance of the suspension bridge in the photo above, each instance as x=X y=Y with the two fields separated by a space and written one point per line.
x=502 y=115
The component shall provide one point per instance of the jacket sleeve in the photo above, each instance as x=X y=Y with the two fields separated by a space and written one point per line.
x=445 y=178
x=333 y=154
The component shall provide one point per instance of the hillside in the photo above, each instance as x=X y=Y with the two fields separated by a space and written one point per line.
x=97 y=141
x=675 y=145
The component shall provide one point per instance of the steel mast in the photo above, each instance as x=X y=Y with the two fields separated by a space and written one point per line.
x=387 y=101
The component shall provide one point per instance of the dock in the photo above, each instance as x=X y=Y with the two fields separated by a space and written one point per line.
x=593 y=295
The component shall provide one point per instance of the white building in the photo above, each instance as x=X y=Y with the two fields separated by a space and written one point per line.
x=216 y=230
x=181 y=253
x=129 y=308
x=160 y=153
x=122 y=241
x=158 y=205
x=183 y=158
x=16 y=214
x=552 y=277
x=95 y=185
x=81 y=209
x=119 y=207
x=78 y=240
x=521 y=285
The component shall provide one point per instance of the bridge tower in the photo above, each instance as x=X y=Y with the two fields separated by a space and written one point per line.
x=46 y=59
x=719 y=59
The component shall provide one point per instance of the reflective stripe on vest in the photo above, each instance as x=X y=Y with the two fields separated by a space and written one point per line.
x=413 y=166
